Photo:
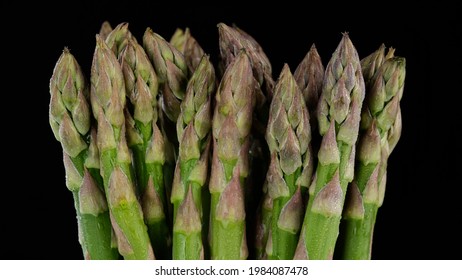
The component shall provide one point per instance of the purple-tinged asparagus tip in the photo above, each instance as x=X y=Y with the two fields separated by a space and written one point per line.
x=371 y=190
x=328 y=152
x=199 y=172
x=328 y=201
x=188 y=218
x=121 y=191
x=291 y=215
x=276 y=184
x=71 y=140
x=231 y=208
x=92 y=200
x=369 y=146
x=73 y=177
x=151 y=204
x=189 y=148
x=155 y=152
x=354 y=207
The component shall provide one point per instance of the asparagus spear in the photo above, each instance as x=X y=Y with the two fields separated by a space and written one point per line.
x=309 y=76
x=70 y=121
x=231 y=41
x=193 y=129
x=108 y=101
x=288 y=136
x=383 y=129
x=141 y=87
x=231 y=128
x=171 y=71
x=338 y=119
x=184 y=42
x=146 y=142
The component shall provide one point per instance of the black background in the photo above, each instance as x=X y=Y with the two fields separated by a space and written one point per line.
x=421 y=216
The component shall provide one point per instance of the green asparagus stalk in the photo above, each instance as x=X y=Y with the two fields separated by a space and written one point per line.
x=141 y=87
x=70 y=122
x=184 y=42
x=309 y=76
x=338 y=118
x=288 y=136
x=193 y=129
x=383 y=129
x=108 y=101
x=231 y=128
x=146 y=142
x=231 y=41
x=106 y=28
x=171 y=70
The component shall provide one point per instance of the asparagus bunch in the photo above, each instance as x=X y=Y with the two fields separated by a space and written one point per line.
x=191 y=172
x=137 y=161
x=289 y=136
x=339 y=113
x=108 y=102
x=381 y=123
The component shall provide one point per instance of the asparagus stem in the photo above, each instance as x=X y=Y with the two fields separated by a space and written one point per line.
x=288 y=136
x=147 y=143
x=383 y=123
x=172 y=73
x=231 y=41
x=96 y=225
x=191 y=172
x=108 y=101
x=338 y=117
x=231 y=128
